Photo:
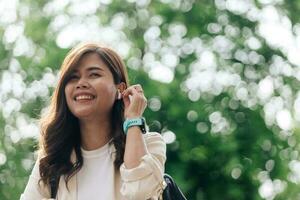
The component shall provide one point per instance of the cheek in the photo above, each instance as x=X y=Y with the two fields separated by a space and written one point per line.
x=68 y=93
x=113 y=91
x=109 y=92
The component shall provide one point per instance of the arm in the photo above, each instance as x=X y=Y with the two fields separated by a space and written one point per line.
x=145 y=180
x=33 y=191
x=135 y=104
x=145 y=154
x=135 y=147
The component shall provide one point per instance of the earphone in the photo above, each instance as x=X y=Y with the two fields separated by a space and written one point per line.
x=119 y=94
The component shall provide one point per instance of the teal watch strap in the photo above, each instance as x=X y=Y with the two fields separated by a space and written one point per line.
x=134 y=122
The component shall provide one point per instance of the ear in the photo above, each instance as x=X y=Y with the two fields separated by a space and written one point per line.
x=121 y=87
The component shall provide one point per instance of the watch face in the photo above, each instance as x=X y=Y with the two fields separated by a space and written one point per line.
x=143 y=121
x=143 y=126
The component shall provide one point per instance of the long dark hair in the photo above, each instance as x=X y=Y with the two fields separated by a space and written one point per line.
x=60 y=133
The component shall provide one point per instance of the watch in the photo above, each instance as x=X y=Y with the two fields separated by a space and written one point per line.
x=141 y=122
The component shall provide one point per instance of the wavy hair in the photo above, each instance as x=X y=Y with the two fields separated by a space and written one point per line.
x=60 y=132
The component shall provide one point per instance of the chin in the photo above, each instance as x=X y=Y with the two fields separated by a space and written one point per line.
x=82 y=114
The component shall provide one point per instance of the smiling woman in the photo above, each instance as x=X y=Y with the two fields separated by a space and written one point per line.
x=91 y=91
x=93 y=140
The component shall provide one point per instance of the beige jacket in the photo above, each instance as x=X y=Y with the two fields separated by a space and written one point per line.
x=140 y=183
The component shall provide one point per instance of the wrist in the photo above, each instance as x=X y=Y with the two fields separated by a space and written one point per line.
x=139 y=122
x=135 y=127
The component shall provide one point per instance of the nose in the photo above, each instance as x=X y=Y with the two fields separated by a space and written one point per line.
x=82 y=84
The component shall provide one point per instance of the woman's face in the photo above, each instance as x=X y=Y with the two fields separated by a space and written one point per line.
x=91 y=91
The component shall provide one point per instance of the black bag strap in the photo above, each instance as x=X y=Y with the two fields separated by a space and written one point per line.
x=54 y=186
x=169 y=189
x=172 y=191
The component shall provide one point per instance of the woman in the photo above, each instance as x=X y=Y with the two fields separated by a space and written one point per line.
x=93 y=138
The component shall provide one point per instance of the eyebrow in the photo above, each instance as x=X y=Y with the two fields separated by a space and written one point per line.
x=91 y=68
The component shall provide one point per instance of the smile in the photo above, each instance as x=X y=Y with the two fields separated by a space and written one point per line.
x=84 y=97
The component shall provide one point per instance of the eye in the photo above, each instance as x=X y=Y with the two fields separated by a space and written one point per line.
x=73 y=76
x=94 y=75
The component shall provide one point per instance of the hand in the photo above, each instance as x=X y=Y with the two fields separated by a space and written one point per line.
x=134 y=101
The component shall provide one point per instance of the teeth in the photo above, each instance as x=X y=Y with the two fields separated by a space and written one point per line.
x=83 y=97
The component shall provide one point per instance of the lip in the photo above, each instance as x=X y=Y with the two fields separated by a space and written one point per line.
x=82 y=94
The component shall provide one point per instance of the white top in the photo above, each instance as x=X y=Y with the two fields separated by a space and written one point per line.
x=141 y=182
x=95 y=178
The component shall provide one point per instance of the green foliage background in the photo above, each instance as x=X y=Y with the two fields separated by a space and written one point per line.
x=225 y=147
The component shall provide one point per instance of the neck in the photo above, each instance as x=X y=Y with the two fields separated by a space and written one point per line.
x=95 y=133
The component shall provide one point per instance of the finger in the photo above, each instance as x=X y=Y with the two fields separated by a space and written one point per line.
x=129 y=91
x=138 y=87
x=126 y=101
